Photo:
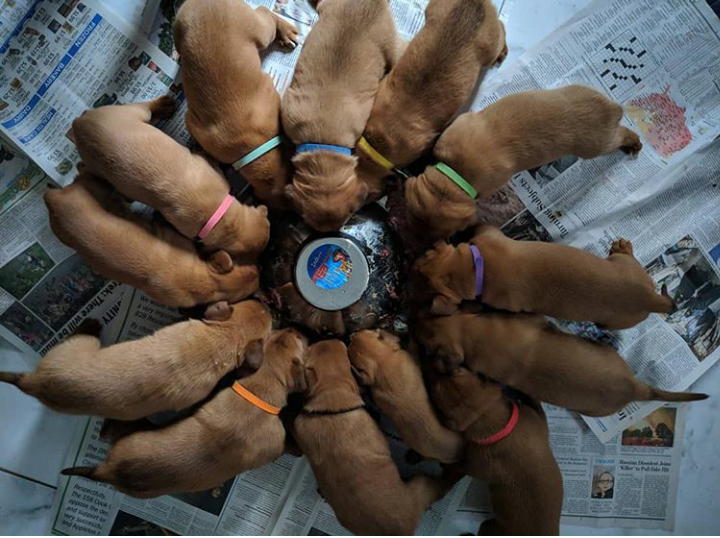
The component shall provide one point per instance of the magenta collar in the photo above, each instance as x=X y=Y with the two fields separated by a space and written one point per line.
x=216 y=217
x=479 y=270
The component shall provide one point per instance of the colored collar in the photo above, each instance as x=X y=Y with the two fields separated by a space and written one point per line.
x=507 y=430
x=258 y=152
x=479 y=270
x=374 y=154
x=458 y=179
x=216 y=217
x=257 y=402
x=301 y=148
x=326 y=412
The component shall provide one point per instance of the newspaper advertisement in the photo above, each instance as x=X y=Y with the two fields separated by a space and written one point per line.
x=630 y=481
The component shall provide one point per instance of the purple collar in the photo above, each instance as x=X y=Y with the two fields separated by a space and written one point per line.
x=479 y=270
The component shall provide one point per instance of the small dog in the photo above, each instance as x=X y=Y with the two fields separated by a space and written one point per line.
x=118 y=144
x=347 y=53
x=525 y=352
x=150 y=256
x=543 y=278
x=520 y=131
x=225 y=437
x=349 y=455
x=397 y=387
x=526 y=486
x=233 y=107
x=431 y=81
x=168 y=371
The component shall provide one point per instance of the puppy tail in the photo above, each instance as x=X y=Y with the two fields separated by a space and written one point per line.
x=13 y=378
x=665 y=303
x=85 y=472
x=667 y=396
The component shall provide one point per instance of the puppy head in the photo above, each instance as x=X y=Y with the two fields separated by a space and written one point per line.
x=442 y=340
x=232 y=282
x=436 y=207
x=245 y=233
x=327 y=368
x=459 y=397
x=432 y=279
x=284 y=353
x=367 y=349
x=325 y=190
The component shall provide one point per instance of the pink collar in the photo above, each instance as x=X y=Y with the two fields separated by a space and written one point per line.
x=507 y=430
x=219 y=214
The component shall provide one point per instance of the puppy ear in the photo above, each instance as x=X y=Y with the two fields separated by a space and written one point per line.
x=448 y=359
x=362 y=192
x=290 y=192
x=221 y=262
x=254 y=354
x=442 y=305
x=364 y=378
x=218 y=312
x=299 y=375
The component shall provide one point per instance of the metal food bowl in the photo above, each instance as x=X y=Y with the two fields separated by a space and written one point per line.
x=338 y=283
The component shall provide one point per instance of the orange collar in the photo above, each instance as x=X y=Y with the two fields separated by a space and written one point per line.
x=257 y=402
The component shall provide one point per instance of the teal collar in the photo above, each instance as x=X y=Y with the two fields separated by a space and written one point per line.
x=258 y=152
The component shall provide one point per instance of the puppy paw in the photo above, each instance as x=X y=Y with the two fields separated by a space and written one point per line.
x=89 y=326
x=503 y=55
x=632 y=144
x=163 y=107
x=622 y=246
x=287 y=34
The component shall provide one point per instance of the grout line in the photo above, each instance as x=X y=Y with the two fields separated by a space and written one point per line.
x=12 y=473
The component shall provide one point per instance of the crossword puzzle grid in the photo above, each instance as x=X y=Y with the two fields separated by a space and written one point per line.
x=623 y=64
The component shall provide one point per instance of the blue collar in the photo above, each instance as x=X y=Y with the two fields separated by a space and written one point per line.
x=301 y=148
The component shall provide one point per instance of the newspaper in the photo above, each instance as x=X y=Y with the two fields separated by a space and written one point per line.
x=629 y=482
x=666 y=201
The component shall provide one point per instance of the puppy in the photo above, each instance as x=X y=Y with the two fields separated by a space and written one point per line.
x=526 y=487
x=150 y=256
x=543 y=278
x=349 y=455
x=431 y=81
x=227 y=436
x=525 y=352
x=396 y=384
x=168 y=371
x=233 y=107
x=345 y=56
x=118 y=144
x=518 y=132
x=298 y=310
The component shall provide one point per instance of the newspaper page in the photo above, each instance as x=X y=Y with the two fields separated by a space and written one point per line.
x=630 y=481
x=61 y=58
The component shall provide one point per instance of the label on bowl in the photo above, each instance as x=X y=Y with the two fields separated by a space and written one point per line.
x=329 y=267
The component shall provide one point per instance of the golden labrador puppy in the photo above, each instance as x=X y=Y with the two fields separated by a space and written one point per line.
x=349 y=454
x=118 y=144
x=396 y=384
x=150 y=256
x=481 y=151
x=237 y=430
x=431 y=81
x=543 y=278
x=326 y=107
x=168 y=371
x=509 y=448
x=525 y=352
x=233 y=107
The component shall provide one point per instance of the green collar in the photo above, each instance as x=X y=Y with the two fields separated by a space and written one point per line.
x=457 y=179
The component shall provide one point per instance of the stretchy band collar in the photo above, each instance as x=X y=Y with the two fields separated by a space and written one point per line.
x=323 y=147
x=326 y=412
x=479 y=263
x=375 y=154
x=457 y=179
x=507 y=430
x=216 y=217
x=258 y=152
x=257 y=402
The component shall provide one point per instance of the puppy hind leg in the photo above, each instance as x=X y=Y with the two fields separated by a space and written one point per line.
x=621 y=246
x=274 y=28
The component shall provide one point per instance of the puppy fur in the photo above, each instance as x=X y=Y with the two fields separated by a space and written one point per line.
x=543 y=278
x=543 y=362
x=396 y=384
x=432 y=80
x=350 y=456
x=525 y=483
x=225 y=437
x=118 y=144
x=168 y=371
x=518 y=132
x=150 y=256
x=233 y=106
x=347 y=53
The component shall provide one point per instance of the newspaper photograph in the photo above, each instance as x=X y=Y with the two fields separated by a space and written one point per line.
x=629 y=482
